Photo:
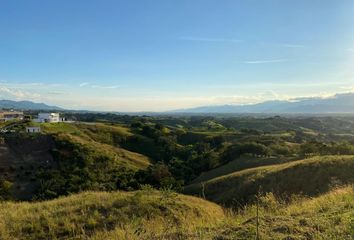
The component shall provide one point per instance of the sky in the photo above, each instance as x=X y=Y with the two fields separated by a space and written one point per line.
x=157 y=55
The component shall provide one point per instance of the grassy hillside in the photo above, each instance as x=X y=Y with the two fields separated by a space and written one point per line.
x=150 y=214
x=309 y=177
x=146 y=214
x=67 y=158
x=100 y=138
x=239 y=164
x=329 y=216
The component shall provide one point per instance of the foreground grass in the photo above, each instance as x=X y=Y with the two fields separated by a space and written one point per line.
x=99 y=215
x=330 y=216
x=150 y=214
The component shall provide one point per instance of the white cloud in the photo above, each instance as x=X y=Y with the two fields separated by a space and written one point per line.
x=87 y=84
x=350 y=49
x=105 y=87
x=17 y=94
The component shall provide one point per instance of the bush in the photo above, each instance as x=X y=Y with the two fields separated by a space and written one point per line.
x=5 y=189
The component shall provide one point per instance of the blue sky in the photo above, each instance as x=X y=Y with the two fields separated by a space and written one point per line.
x=153 y=55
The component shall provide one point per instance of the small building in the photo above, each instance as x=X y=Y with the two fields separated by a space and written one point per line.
x=10 y=115
x=48 y=118
x=33 y=129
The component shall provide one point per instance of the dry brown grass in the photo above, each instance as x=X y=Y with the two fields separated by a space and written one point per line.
x=150 y=214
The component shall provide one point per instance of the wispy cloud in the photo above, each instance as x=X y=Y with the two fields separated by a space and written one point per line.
x=83 y=84
x=35 y=84
x=203 y=39
x=266 y=61
x=87 y=84
x=6 y=92
x=105 y=87
x=30 y=85
x=350 y=49
x=55 y=93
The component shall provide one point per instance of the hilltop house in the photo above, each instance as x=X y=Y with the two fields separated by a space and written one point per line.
x=48 y=118
x=33 y=129
x=10 y=115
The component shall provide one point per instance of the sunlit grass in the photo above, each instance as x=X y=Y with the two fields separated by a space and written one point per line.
x=149 y=214
x=311 y=177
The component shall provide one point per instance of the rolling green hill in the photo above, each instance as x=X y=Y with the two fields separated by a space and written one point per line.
x=242 y=169
x=100 y=138
x=67 y=158
x=146 y=214
x=150 y=214
x=244 y=162
x=310 y=177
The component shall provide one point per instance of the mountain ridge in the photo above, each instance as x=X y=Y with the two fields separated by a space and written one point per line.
x=26 y=105
x=339 y=103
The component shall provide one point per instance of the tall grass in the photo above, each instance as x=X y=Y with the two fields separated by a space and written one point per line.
x=149 y=214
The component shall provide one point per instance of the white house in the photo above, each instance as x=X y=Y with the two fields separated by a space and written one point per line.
x=33 y=129
x=48 y=118
x=10 y=115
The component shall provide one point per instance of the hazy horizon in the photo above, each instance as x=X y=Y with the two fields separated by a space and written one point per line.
x=161 y=55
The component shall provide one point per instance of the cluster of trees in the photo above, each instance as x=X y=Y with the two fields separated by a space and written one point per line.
x=79 y=168
x=251 y=148
x=320 y=148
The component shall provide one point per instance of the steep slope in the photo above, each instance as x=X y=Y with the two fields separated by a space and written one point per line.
x=20 y=158
x=309 y=177
x=101 y=138
x=67 y=158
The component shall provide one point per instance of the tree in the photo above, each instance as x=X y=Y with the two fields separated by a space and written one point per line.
x=5 y=189
x=235 y=151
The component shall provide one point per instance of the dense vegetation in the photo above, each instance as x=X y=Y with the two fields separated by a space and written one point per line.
x=124 y=152
x=274 y=164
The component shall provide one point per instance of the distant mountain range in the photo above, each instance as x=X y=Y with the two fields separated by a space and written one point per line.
x=26 y=105
x=339 y=103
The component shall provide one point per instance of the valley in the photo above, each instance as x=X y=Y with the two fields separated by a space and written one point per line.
x=113 y=167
